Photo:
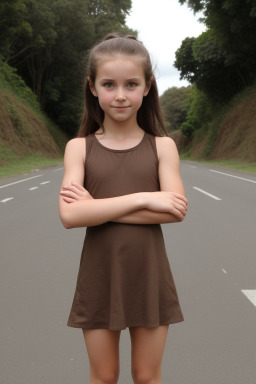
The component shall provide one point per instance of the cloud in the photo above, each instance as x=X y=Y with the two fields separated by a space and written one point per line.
x=162 y=25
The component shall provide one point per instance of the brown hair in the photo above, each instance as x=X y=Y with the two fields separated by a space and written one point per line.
x=149 y=116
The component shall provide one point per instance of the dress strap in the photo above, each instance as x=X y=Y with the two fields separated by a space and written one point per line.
x=89 y=143
x=152 y=140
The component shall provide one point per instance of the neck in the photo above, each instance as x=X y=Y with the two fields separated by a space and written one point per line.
x=121 y=128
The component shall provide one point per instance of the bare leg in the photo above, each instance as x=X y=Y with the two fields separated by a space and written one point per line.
x=103 y=351
x=147 y=352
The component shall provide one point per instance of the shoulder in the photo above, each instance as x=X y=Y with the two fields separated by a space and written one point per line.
x=76 y=143
x=76 y=148
x=166 y=147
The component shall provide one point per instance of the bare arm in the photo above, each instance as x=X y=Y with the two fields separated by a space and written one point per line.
x=90 y=212
x=170 y=180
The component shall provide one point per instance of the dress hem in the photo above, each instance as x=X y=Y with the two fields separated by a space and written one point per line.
x=122 y=327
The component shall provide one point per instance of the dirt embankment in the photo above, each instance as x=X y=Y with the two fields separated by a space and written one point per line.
x=233 y=137
x=21 y=130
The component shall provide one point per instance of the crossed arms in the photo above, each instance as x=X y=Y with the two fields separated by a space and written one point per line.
x=78 y=208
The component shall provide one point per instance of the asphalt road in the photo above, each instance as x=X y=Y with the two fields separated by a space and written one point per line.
x=212 y=256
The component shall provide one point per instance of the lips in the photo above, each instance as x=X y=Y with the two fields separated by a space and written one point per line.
x=121 y=107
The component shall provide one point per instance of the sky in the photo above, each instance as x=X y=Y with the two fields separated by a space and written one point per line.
x=161 y=26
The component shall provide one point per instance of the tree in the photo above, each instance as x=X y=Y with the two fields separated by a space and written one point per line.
x=51 y=56
x=222 y=60
x=199 y=112
x=174 y=106
x=13 y=25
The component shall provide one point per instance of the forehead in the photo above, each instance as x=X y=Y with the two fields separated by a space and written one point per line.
x=120 y=66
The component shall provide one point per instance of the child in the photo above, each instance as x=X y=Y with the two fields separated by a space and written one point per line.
x=121 y=180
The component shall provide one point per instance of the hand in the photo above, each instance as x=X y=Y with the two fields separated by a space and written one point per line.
x=74 y=192
x=170 y=202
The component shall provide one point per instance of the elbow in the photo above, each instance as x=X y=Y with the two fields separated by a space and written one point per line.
x=67 y=225
x=66 y=222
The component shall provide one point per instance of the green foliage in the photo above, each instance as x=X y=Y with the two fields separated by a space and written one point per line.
x=185 y=61
x=14 y=88
x=47 y=41
x=187 y=129
x=174 y=106
x=13 y=164
x=222 y=60
x=13 y=24
x=200 y=112
x=11 y=80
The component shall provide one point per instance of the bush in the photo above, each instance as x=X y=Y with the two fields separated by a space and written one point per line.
x=9 y=79
x=187 y=129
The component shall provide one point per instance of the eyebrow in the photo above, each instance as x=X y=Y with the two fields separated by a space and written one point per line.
x=132 y=79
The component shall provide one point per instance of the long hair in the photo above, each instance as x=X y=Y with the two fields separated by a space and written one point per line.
x=149 y=116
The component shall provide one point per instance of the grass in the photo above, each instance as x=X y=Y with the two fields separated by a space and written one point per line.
x=17 y=165
x=232 y=164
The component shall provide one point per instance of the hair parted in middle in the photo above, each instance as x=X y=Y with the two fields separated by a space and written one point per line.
x=149 y=116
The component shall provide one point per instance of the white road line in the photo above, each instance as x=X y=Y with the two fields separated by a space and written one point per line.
x=192 y=166
x=207 y=193
x=224 y=271
x=59 y=169
x=45 y=182
x=250 y=294
x=20 y=181
x=7 y=199
x=32 y=189
x=236 y=177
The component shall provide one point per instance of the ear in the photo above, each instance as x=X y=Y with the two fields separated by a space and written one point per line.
x=148 y=86
x=92 y=88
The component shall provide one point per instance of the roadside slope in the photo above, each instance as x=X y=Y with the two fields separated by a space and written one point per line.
x=231 y=135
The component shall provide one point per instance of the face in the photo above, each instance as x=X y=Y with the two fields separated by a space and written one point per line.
x=120 y=87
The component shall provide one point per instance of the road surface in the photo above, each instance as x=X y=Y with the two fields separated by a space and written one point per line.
x=212 y=255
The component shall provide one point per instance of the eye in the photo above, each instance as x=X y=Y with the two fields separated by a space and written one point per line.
x=132 y=84
x=108 y=84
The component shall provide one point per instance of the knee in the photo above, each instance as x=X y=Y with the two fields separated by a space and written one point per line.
x=105 y=377
x=145 y=377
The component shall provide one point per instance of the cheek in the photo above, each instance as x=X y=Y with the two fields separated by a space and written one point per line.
x=138 y=99
x=104 y=98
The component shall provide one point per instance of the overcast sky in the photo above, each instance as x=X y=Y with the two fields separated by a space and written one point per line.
x=162 y=25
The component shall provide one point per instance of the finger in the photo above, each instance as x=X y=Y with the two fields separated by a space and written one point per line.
x=68 y=200
x=179 y=211
x=182 y=210
x=181 y=197
x=181 y=203
x=69 y=194
x=70 y=188
x=78 y=186
x=79 y=191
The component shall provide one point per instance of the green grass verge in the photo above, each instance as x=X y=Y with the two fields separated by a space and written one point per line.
x=232 y=164
x=17 y=165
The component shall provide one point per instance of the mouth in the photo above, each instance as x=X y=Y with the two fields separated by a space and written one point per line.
x=120 y=107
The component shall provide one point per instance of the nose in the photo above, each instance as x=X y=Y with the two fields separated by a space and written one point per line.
x=120 y=95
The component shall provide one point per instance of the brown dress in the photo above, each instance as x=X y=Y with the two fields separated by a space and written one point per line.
x=124 y=278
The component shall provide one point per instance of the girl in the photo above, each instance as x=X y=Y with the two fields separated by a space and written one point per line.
x=121 y=180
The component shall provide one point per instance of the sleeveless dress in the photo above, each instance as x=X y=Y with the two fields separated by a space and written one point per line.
x=124 y=278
